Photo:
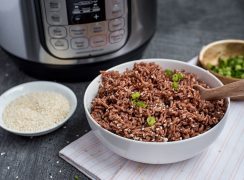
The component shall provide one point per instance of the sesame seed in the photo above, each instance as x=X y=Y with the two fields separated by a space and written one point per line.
x=43 y=108
x=64 y=127
x=57 y=162
x=17 y=177
x=60 y=171
x=3 y=153
x=51 y=177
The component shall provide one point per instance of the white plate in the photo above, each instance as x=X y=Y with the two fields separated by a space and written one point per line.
x=29 y=87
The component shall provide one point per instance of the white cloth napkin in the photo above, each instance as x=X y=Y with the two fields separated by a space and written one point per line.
x=224 y=159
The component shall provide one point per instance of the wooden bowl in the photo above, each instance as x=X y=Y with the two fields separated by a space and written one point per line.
x=211 y=53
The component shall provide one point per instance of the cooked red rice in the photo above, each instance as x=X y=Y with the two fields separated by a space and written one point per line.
x=179 y=114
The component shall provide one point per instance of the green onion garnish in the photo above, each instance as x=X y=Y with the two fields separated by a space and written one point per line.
x=76 y=177
x=177 y=77
x=140 y=104
x=135 y=95
x=151 y=120
x=238 y=67
x=168 y=72
x=181 y=76
x=230 y=67
x=135 y=100
x=175 y=86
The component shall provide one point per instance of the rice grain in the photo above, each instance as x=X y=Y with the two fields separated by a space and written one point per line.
x=179 y=114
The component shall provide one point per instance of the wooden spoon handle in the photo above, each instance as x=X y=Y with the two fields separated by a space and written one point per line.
x=234 y=89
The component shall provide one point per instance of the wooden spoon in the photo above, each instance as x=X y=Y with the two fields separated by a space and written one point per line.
x=234 y=89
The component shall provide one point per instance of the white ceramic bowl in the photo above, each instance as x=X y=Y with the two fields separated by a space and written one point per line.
x=155 y=152
x=35 y=86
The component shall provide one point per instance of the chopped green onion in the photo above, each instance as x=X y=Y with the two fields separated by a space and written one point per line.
x=135 y=100
x=177 y=77
x=238 y=67
x=210 y=66
x=168 y=72
x=151 y=120
x=222 y=62
x=181 y=76
x=135 y=95
x=175 y=86
x=76 y=177
x=140 y=104
x=230 y=67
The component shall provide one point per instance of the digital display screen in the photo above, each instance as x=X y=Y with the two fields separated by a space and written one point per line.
x=85 y=11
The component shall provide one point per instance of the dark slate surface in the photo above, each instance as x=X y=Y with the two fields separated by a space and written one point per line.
x=184 y=26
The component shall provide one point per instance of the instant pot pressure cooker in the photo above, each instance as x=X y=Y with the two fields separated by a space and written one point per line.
x=75 y=38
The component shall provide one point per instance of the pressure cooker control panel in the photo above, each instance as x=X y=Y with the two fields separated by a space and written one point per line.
x=80 y=28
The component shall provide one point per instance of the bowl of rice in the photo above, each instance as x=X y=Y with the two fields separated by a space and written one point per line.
x=148 y=111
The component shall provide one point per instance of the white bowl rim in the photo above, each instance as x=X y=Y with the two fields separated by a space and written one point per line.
x=154 y=143
x=48 y=130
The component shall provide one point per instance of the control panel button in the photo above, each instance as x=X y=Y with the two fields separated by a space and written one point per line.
x=98 y=41
x=57 y=31
x=116 y=24
x=55 y=12
x=115 y=9
x=60 y=44
x=98 y=28
x=116 y=36
x=54 y=19
x=53 y=5
x=78 y=30
x=79 y=43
